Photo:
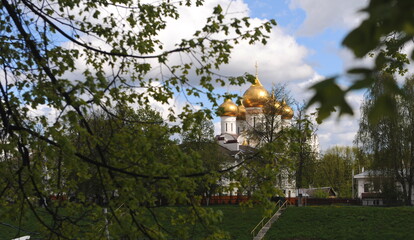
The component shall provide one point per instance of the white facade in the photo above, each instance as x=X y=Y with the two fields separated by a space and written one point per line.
x=228 y=125
x=368 y=192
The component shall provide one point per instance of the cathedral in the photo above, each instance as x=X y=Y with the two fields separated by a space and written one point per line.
x=237 y=120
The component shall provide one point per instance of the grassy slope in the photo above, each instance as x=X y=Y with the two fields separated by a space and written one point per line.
x=9 y=224
x=303 y=223
x=336 y=222
x=237 y=221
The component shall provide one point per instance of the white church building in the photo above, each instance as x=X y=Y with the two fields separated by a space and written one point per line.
x=237 y=120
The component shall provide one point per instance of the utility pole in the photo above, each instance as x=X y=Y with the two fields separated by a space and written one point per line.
x=353 y=196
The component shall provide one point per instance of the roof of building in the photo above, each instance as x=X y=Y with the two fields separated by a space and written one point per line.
x=368 y=174
x=311 y=192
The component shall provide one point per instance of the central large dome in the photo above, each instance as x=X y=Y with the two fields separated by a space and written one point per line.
x=256 y=95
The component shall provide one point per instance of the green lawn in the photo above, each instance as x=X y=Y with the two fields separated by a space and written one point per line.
x=344 y=222
x=9 y=225
x=237 y=221
x=312 y=222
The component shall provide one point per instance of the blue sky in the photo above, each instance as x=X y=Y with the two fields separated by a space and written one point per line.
x=324 y=44
x=302 y=49
x=314 y=30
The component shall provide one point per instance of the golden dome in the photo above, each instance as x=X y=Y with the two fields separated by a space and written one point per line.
x=228 y=108
x=256 y=95
x=241 y=113
x=273 y=106
x=287 y=111
x=278 y=107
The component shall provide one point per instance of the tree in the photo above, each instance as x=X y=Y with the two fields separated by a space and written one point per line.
x=304 y=147
x=74 y=57
x=197 y=128
x=390 y=138
x=334 y=169
x=198 y=139
x=381 y=36
x=116 y=132
x=273 y=135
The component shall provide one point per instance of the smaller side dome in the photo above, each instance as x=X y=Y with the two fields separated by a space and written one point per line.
x=287 y=111
x=241 y=113
x=273 y=106
x=278 y=107
x=228 y=108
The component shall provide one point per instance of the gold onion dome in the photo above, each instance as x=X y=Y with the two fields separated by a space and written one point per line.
x=276 y=106
x=287 y=111
x=241 y=113
x=256 y=95
x=228 y=108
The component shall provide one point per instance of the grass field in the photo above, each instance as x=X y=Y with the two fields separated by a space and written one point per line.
x=237 y=221
x=344 y=222
x=312 y=222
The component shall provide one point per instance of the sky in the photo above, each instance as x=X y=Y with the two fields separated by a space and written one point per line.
x=303 y=48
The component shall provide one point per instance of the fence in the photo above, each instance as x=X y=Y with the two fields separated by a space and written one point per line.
x=214 y=200
x=327 y=201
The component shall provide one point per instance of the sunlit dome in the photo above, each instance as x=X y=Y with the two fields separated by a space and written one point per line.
x=241 y=114
x=287 y=111
x=276 y=106
x=228 y=108
x=256 y=95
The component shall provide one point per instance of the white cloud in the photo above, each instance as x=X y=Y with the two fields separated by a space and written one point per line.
x=324 y=14
x=334 y=131
x=349 y=60
x=282 y=60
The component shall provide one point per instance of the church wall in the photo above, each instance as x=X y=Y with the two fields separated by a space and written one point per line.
x=241 y=126
x=228 y=125
x=253 y=116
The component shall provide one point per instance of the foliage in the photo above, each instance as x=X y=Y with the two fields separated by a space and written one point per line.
x=343 y=222
x=271 y=163
x=197 y=128
x=75 y=58
x=304 y=148
x=390 y=138
x=320 y=193
x=387 y=29
x=335 y=168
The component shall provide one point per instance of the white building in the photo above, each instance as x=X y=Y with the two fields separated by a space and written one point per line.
x=237 y=120
x=369 y=188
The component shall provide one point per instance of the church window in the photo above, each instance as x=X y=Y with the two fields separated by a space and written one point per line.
x=226 y=127
x=231 y=125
